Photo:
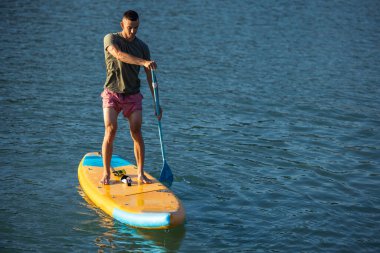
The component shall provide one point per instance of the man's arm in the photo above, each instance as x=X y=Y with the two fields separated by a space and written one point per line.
x=130 y=59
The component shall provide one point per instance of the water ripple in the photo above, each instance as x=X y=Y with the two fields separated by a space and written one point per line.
x=271 y=118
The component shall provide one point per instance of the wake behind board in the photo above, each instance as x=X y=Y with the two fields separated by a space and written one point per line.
x=150 y=206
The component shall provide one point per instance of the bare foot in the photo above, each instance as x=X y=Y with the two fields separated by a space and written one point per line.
x=144 y=180
x=105 y=180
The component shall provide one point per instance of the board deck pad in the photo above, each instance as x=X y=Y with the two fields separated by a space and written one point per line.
x=96 y=161
x=151 y=206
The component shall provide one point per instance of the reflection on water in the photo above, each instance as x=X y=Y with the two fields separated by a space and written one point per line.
x=118 y=236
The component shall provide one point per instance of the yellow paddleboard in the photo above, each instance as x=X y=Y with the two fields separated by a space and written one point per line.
x=151 y=206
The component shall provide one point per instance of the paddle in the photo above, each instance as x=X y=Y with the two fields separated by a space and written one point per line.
x=166 y=175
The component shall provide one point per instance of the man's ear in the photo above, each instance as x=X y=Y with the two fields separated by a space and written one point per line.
x=122 y=25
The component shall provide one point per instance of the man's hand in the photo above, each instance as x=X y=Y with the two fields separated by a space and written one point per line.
x=150 y=65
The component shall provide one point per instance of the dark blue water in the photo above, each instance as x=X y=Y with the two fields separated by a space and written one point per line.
x=271 y=124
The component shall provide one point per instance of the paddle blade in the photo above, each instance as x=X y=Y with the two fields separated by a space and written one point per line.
x=166 y=176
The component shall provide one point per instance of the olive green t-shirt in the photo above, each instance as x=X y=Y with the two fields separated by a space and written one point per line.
x=123 y=77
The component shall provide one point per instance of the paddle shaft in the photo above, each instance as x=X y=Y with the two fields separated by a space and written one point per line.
x=157 y=101
x=166 y=175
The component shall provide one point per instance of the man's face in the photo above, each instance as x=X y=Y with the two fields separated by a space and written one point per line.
x=129 y=28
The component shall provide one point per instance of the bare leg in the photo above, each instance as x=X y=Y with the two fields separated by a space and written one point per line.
x=135 y=122
x=110 y=124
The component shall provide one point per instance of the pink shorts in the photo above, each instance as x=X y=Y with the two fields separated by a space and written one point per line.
x=121 y=102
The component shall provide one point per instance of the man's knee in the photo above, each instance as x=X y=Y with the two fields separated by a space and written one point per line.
x=136 y=132
x=110 y=131
x=135 y=122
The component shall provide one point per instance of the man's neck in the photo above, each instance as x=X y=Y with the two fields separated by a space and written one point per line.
x=126 y=37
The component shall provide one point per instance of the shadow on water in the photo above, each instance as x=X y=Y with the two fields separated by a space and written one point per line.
x=119 y=237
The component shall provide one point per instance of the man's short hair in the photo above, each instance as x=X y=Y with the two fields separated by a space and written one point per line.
x=131 y=15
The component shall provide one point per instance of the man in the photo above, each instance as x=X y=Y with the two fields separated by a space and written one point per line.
x=124 y=54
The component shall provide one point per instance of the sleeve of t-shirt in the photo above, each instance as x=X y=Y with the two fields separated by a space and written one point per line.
x=109 y=40
x=146 y=52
